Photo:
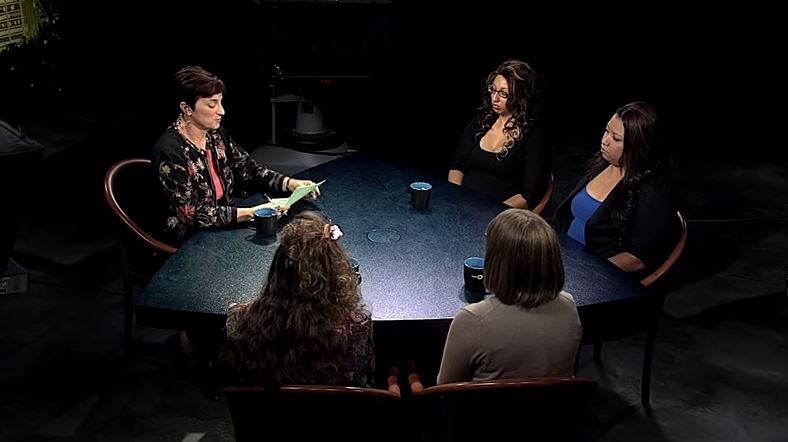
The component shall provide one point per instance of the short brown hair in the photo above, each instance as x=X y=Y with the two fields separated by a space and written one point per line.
x=194 y=82
x=523 y=263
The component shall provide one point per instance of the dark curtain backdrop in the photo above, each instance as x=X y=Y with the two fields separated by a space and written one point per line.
x=713 y=74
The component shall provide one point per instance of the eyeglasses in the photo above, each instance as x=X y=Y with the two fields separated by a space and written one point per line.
x=501 y=93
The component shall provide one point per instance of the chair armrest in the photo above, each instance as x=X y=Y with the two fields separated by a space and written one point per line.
x=393 y=381
x=414 y=381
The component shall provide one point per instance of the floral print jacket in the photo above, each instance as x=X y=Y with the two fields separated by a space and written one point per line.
x=356 y=328
x=185 y=181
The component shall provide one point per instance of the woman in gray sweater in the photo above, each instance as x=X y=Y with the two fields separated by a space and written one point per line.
x=530 y=327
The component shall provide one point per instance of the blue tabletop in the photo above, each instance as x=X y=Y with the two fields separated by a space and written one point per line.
x=411 y=261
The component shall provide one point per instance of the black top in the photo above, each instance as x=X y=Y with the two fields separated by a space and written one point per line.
x=655 y=227
x=525 y=169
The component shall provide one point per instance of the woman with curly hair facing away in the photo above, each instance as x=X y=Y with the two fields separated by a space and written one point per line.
x=308 y=326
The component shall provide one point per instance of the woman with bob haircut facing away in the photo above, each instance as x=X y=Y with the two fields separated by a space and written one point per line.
x=530 y=327
x=308 y=326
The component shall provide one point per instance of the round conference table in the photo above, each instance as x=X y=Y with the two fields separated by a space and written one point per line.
x=411 y=261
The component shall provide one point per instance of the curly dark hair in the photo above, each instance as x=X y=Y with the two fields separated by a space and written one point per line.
x=524 y=100
x=644 y=158
x=289 y=334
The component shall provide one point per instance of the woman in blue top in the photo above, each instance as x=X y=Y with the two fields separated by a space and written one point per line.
x=624 y=207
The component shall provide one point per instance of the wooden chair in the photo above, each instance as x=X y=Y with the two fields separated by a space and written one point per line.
x=672 y=258
x=546 y=198
x=129 y=189
x=301 y=412
x=653 y=309
x=502 y=409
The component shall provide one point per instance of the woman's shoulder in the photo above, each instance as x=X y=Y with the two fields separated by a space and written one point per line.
x=659 y=183
x=169 y=135
x=533 y=135
x=482 y=308
x=169 y=143
x=476 y=119
x=562 y=305
x=357 y=325
x=360 y=315
x=566 y=299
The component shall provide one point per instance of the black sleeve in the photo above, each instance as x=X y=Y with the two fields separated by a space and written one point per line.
x=465 y=146
x=250 y=175
x=654 y=226
x=537 y=168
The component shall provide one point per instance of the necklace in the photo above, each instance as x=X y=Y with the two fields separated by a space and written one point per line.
x=180 y=124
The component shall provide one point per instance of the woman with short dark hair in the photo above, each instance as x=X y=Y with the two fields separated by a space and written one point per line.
x=201 y=170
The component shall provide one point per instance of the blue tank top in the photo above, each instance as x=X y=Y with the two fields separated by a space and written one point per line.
x=583 y=207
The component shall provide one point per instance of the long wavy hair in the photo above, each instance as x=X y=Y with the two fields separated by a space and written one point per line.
x=644 y=158
x=289 y=334
x=524 y=101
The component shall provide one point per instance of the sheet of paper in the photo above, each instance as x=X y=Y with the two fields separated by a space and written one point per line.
x=296 y=195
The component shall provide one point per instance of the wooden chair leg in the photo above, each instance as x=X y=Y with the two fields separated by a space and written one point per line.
x=648 y=356
x=128 y=300
x=598 y=352
x=451 y=420
x=128 y=320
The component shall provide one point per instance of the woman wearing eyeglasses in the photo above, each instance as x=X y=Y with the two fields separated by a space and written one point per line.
x=502 y=153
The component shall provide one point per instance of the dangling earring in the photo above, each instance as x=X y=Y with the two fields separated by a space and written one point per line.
x=186 y=114
x=185 y=118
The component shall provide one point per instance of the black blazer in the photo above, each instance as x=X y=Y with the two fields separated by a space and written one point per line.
x=655 y=228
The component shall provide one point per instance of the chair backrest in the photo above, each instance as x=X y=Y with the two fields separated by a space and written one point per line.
x=487 y=410
x=129 y=188
x=672 y=258
x=546 y=198
x=300 y=412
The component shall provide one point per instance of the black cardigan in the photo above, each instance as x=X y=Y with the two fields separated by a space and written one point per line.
x=187 y=190
x=655 y=227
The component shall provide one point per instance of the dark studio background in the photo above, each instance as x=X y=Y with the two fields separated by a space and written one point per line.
x=400 y=80
x=713 y=75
